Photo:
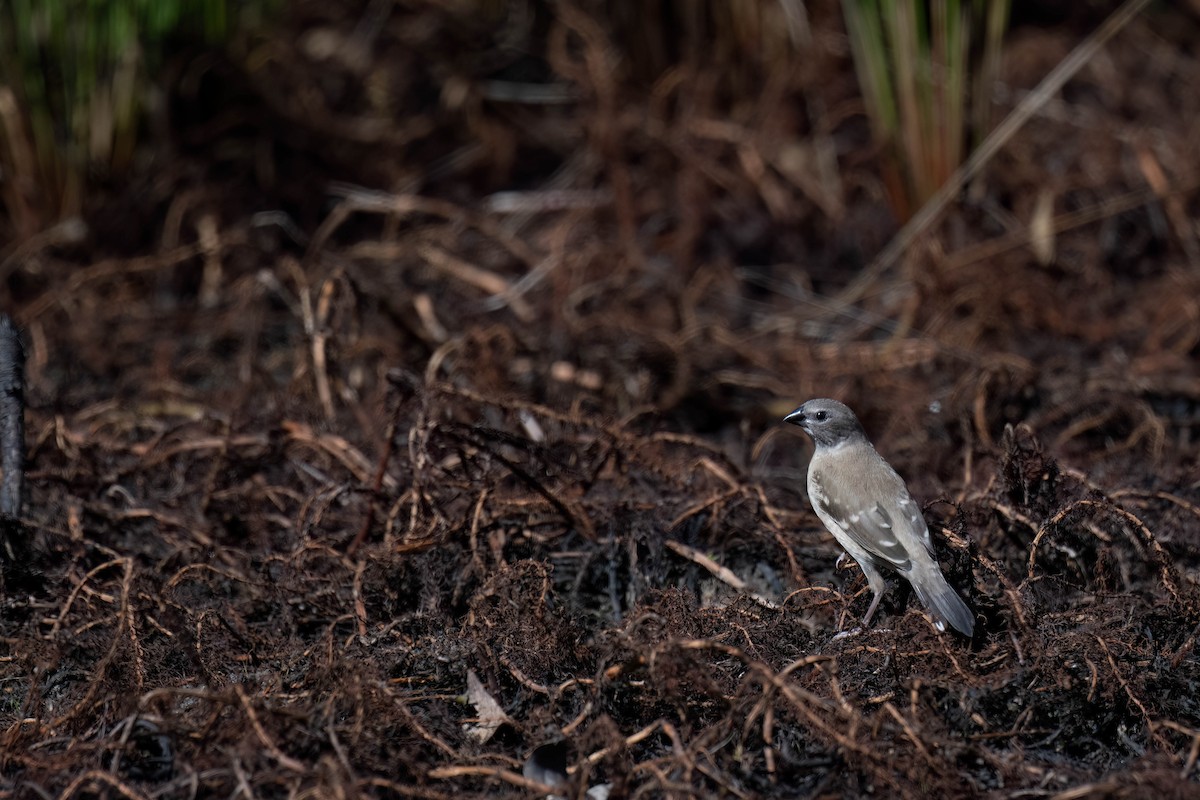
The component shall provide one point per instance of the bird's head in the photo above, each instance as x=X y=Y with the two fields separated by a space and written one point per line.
x=828 y=422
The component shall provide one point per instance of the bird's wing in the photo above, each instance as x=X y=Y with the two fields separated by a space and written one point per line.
x=871 y=528
x=909 y=509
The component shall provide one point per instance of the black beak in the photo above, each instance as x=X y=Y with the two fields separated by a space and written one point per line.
x=796 y=417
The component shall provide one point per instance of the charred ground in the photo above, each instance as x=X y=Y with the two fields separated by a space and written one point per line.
x=295 y=477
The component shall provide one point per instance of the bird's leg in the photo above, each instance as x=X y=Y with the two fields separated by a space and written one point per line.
x=871 y=611
x=878 y=587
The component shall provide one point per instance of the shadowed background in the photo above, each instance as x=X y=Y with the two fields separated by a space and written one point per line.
x=401 y=343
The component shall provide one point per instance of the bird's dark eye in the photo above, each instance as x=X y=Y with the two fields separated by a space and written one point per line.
x=820 y=415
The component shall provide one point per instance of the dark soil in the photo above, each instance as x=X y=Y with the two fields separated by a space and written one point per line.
x=375 y=384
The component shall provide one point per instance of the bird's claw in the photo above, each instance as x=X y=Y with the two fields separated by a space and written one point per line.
x=847 y=634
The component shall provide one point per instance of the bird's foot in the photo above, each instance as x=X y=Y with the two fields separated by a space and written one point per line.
x=861 y=629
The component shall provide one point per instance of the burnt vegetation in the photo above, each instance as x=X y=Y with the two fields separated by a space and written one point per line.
x=447 y=349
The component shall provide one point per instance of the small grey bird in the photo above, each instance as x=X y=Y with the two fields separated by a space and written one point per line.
x=867 y=508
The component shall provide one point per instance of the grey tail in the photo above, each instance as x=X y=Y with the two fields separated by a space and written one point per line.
x=947 y=607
